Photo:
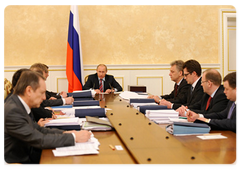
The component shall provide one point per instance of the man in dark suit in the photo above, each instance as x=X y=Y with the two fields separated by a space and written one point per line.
x=214 y=99
x=179 y=93
x=52 y=98
x=192 y=74
x=24 y=138
x=225 y=119
x=102 y=82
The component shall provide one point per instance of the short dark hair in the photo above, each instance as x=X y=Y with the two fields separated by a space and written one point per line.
x=193 y=65
x=214 y=76
x=17 y=75
x=231 y=78
x=27 y=78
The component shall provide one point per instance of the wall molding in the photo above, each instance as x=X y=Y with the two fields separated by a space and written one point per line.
x=154 y=76
x=114 y=67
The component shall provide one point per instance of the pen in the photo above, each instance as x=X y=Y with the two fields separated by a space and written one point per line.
x=111 y=147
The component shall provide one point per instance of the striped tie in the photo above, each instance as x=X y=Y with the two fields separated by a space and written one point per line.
x=101 y=86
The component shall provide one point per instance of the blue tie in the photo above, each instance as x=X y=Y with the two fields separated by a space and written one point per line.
x=231 y=110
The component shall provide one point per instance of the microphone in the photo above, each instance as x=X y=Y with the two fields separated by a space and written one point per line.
x=111 y=87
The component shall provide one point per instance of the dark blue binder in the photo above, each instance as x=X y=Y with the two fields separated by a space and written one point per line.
x=96 y=112
x=81 y=94
x=86 y=103
x=142 y=101
x=66 y=127
x=143 y=109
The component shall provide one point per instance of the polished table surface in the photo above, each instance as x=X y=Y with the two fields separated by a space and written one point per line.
x=145 y=142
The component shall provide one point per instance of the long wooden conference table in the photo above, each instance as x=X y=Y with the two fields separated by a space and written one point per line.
x=145 y=142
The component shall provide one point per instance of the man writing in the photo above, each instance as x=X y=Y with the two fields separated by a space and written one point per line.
x=226 y=119
x=24 y=138
x=192 y=74
x=213 y=100
x=101 y=81
x=179 y=93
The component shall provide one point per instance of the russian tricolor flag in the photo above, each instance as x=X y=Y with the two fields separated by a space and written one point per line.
x=74 y=68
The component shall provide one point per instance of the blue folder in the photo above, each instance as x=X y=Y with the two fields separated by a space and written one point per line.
x=143 y=109
x=96 y=112
x=180 y=128
x=86 y=103
x=142 y=101
x=61 y=107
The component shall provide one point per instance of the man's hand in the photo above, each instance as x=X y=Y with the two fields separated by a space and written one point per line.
x=181 y=110
x=69 y=100
x=109 y=91
x=192 y=116
x=82 y=136
x=166 y=103
x=63 y=94
x=97 y=91
x=42 y=122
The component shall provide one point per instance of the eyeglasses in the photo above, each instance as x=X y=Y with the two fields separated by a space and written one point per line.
x=185 y=75
x=203 y=82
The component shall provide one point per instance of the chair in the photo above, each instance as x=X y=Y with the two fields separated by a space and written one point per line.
x=86 y=78
x=7 y=87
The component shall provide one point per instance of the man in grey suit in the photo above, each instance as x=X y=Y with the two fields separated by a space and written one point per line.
x=23 y=138
x=226 y=119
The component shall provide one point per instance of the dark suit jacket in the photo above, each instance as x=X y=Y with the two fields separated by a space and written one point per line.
x=182 y=93
x=49 y=103
x=52 y=94
x=193 y=98
x=218 y=103
x=109 y=83
x=219 y=119
x=38 y=113
x=22 y=135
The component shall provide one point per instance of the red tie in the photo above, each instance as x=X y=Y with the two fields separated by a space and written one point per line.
x=101 y=86
x=208 y=102
x=175 y=90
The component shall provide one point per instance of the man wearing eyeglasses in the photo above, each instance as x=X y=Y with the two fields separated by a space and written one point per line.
x=213 y=100
x=192 y=73
x=225 y=119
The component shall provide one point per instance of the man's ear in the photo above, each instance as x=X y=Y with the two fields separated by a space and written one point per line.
x=28 y=90
x=181 y=73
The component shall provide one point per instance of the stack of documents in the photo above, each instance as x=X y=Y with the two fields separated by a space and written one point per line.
x=127 y=95
x=161 y=116
x=65 y=124
x=90 y=147
x=141 y=102
x=80 y=111
x=143 y=109
x=187 y=128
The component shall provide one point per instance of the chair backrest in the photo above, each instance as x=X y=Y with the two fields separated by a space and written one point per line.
x=86 y=78
x=7 y=87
